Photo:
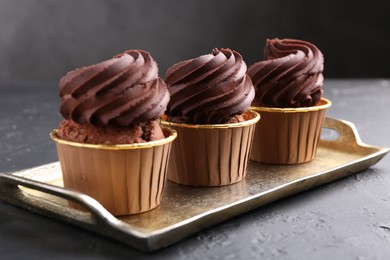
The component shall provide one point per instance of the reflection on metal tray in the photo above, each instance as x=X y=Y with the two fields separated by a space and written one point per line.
x=186 y=210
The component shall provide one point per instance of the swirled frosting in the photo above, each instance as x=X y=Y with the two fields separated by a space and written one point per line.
x=290 y=76
x=122 y=91
x=210 y=89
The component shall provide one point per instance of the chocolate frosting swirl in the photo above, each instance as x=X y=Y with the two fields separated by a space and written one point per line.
x=210 y=89
x=290 y=75
x=121 y=91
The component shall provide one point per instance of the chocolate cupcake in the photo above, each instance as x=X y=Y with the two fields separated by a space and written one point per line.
x=109 y=143
x=288 y=84
x=210 y=97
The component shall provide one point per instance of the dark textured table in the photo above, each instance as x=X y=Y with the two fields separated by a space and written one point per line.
x=347 y=219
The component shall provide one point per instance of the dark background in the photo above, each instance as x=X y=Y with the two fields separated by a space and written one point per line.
x=43 y=39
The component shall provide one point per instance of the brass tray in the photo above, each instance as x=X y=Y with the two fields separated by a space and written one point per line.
x=185 y=210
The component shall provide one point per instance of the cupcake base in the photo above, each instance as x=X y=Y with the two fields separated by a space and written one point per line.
x=211 y=155
x=125 y=179
x=288 y=135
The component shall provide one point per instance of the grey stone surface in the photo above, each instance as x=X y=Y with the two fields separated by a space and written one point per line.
x=347 y=219
x=43 y=39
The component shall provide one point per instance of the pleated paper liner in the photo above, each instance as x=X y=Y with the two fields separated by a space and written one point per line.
x=288 y=135
x=125 y=179
x=211 y=155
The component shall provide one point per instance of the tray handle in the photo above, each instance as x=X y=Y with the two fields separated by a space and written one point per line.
x=96 y=214
x=347 y=131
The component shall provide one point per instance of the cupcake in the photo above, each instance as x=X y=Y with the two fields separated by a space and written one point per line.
x=210 y=97
x=288 y=84
x=109 y=144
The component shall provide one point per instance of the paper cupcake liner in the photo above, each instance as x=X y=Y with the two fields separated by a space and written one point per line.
x=211 y=155
x=288 y=135
x=125 y=179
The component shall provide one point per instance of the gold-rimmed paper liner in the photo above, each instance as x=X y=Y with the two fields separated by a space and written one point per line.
x=211 y=155
x=288 y=135
x=125 y=179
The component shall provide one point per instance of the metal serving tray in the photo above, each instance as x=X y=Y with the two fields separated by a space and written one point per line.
x=185 y=210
